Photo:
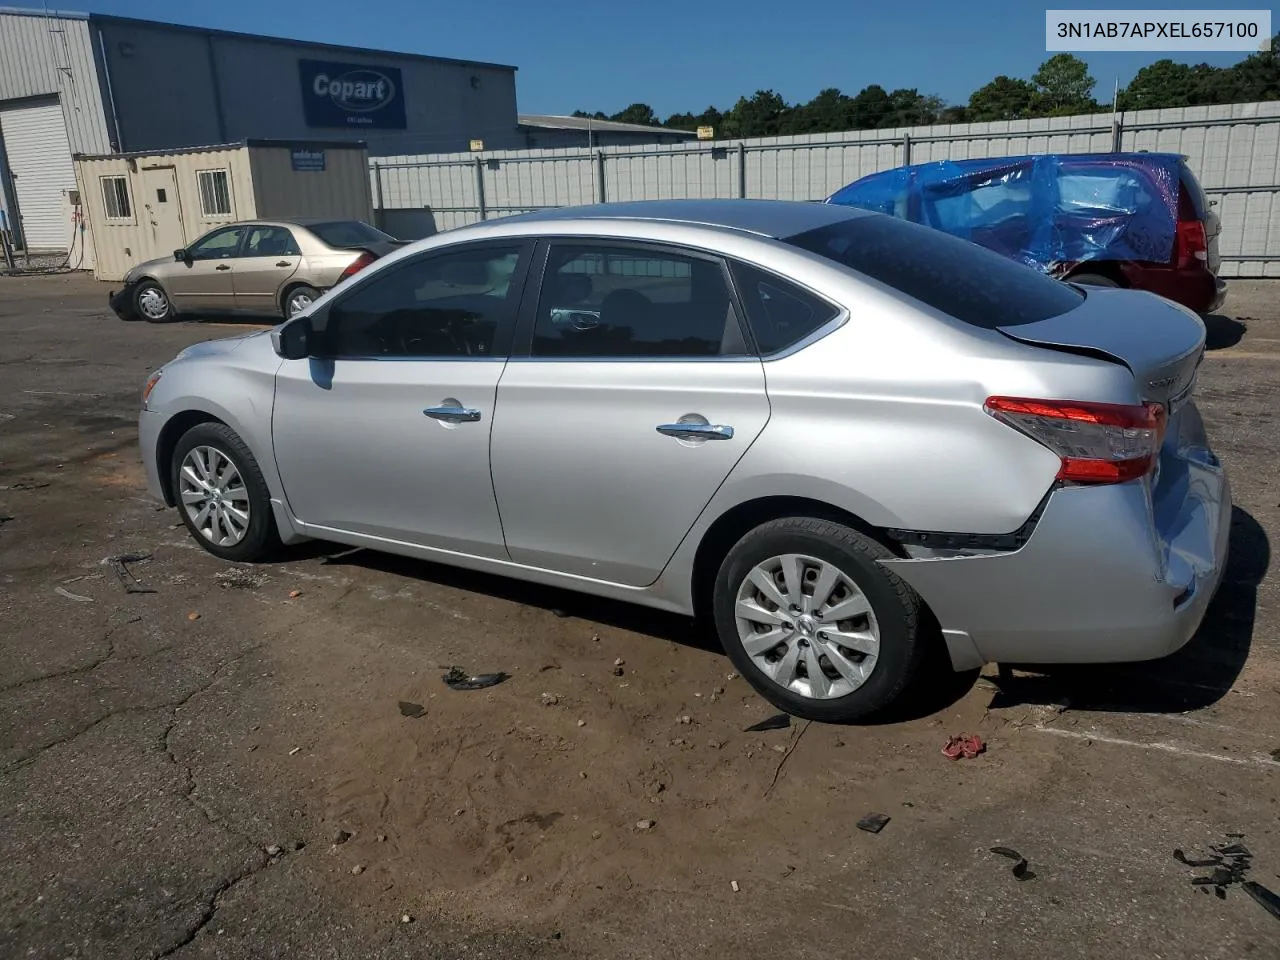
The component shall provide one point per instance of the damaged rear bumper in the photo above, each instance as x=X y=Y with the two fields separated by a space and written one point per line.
x=1111 y=574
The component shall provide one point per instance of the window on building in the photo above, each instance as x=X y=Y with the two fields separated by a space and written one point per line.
x=115 y=198
x=215 y=193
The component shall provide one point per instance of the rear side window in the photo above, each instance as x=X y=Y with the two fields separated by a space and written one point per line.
x=959 y=278
x=1195 y=193
x=780 y=313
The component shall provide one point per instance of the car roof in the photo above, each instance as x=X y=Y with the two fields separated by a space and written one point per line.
x=768 y=218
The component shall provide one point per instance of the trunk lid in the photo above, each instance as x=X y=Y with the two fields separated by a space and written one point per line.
x=1159 y=341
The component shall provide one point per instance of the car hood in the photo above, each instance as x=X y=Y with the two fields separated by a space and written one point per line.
x=222 y=345
x=146 y=266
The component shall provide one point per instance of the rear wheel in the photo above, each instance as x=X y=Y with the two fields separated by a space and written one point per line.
x=812 y=620
x=221 y=493
x=298 y=299
x=152 y=303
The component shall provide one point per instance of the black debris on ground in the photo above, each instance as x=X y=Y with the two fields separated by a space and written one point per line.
x=777 y=722
x=459 y=679
x=412 y=710
x=873 y=822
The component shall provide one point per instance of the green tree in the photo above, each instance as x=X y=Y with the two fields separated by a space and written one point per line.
x=598 y=115
x=1063 y=86
x=830 y=111
x=870 y=107
x=910 y=108
x=1004 y=98
x=1257 y=77
x=640 y=113
x=761 y=116
x=1160 y=84
x=956 y=114
x=681 y=121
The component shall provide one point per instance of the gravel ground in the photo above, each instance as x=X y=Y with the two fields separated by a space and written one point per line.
x=222 y=768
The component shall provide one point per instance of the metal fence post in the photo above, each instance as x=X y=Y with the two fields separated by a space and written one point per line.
x=906 y=149
x=600 y=191
x=377 y=187
x=1117 y=133
x=742 y=170
x=484 y=212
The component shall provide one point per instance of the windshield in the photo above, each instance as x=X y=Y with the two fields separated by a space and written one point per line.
x=349 y=233
x=955 y=276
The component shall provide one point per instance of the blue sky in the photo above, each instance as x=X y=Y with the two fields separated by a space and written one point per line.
x=686 y=54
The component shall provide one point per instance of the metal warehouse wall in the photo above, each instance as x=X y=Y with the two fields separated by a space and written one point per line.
x=340 y=191
x=42 y=56
x=175 y=87
x=1234 y=150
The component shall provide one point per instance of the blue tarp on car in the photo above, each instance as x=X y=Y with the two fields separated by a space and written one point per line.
x=1040 y=210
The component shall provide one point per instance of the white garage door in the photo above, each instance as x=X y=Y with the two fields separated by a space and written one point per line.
x=35 y=143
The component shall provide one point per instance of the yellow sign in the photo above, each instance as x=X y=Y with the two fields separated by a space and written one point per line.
x=706 y=133
x=477 y=145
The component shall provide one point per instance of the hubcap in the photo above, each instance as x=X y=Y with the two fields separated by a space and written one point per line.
x=152 y=302
x=807 y=626
x=214 y=495
x=298 y=302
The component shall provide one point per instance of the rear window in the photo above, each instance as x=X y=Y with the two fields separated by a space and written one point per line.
x=348 y=233
x=959 y=278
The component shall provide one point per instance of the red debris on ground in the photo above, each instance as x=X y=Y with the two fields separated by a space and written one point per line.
x=967 y=745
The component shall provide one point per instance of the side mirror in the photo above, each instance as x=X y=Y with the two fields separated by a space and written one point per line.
x=181 y=256
x=292 y=340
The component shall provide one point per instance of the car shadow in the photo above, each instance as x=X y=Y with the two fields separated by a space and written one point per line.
x=935 y=688
x=1222 y=332
x=1197 y=676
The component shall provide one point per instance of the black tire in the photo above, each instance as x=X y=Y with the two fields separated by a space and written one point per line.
x=153 y=317
x=1093 y=280
x=896 y=607
x=302 y=290
x=261 y=536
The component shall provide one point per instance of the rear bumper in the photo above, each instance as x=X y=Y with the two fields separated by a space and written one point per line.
x=1107 y=576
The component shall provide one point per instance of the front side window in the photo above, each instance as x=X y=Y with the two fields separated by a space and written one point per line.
x=780 y=313
x=445 y=306
x=264 y=241
x=616 y=301
x=219 y=245
x=215 y=193
x=115 y=198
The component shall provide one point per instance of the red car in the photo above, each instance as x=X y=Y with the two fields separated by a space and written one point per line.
x=1138 y=220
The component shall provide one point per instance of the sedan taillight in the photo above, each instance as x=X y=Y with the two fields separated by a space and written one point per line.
x=1097 y=442
x=356 y=265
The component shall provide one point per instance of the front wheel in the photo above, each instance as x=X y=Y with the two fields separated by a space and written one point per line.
x=298 y=299
x=221 y=493
x=812 y=620
x=152 y=303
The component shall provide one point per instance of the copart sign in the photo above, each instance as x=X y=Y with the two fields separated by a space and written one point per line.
x=351 y=95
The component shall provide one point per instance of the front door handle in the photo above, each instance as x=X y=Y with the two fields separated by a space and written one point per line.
x=284 y=263
x=696 y=431
x=453 y=414
x=222 y=266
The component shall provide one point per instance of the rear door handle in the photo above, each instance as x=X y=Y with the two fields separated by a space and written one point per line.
x=222 y=266
x=284 y=263
x=696 y=431
x=453 y=414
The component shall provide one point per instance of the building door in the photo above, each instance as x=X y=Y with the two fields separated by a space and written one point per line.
x=35 y=144
x=160 y=207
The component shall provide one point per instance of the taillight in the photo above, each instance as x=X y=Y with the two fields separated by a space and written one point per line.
x=1193 y=243
x=1098 y=442
x=356 y=265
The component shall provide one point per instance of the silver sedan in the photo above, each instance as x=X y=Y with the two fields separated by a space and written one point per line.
x=839 y=437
